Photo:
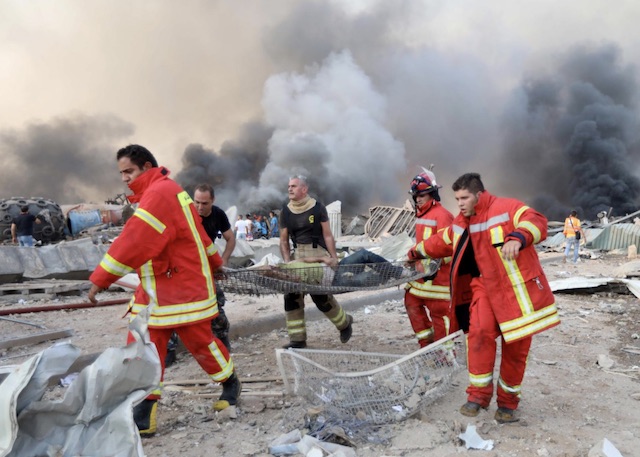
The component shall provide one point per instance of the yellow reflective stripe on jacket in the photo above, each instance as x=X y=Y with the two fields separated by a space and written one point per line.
x=517 y=284
x=148 y=282
x=150 y=219
x=457 y=233
x=112 y=266
x=497 y=235
x=211 y=249
x=180 y=314
x=528 y=325
x=185 y=203
x=429 y=290
x=535 y=231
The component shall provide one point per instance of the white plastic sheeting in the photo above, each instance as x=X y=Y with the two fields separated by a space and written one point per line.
x=95 y=415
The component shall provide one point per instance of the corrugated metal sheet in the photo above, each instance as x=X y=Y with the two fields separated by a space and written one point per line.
x=557 y=240
x=616 y=236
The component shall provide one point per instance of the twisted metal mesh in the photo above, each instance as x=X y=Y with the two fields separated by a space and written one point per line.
x=359 y=389
x=323 y=279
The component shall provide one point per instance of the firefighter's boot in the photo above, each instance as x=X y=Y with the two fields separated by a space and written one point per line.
x=144 y=415
x=345 y=333
x=231 y=389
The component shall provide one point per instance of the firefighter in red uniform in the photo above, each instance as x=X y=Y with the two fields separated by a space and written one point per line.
x=165 y=243
x=492 y=240
x=428 y=300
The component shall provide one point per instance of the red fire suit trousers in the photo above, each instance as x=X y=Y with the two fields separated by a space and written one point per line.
x=481 y=355
x=430 y=319
x=208 y=350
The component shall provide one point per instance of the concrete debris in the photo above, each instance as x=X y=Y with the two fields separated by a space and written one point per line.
x=472 y=440
x=605 y=362
x=66 y=260
x=95 y=415
x=604 y=448
x=293 y=443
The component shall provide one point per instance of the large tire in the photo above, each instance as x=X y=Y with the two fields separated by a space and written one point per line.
x=53 y=221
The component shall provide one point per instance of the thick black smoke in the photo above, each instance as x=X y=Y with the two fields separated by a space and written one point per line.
x=235 y=167
x=327 y=123
x=572 y=137
x=68 y=160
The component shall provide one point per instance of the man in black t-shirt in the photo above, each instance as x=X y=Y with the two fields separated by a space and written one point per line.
x=216 y=223
x=307 y=223
x=22 y=227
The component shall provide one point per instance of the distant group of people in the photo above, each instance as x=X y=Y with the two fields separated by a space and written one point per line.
x=490 y=282
x=249 y=228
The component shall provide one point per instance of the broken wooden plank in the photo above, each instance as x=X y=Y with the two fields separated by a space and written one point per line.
x=209 y=381
x=631 y=349
x=262 y=393
x=36 y=338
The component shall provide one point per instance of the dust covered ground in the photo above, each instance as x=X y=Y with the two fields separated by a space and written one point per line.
x=570 y=402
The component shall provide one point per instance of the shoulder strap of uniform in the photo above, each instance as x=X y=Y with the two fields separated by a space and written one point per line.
x=317 y=228
x=284 y=221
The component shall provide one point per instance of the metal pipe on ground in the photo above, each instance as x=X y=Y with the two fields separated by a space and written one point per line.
x=37 y=309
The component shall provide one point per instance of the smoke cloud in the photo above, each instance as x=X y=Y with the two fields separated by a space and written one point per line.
x=328 y=125
x=357 y=95
x=572 y=136
x=68 y=160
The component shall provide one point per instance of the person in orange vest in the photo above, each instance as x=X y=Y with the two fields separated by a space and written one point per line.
x=179 y=289
x=572 y=233
x=492 y=241
x=428 y=300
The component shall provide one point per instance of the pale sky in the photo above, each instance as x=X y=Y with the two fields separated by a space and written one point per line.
x=170 y=74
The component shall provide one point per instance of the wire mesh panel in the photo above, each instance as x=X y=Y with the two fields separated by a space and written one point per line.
x=322 y=279
x=372 y=388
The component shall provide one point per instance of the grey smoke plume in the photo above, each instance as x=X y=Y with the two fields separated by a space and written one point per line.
x=572 y=137
x=68 y=160
x=328 y=124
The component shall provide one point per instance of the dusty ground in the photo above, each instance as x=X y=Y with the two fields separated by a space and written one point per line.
x=569 y=403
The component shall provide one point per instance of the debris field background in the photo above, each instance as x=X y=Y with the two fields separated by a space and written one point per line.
x=582 y=381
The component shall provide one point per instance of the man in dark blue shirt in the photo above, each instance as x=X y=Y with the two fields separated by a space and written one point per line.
x=22 y=227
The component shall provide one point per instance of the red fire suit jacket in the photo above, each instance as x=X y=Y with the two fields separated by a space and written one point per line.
x=518 y=291
x=435 y=218
x=165 y=243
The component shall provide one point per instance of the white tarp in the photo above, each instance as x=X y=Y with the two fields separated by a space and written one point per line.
x=95 y=415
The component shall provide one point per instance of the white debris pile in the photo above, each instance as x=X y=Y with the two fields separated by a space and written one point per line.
x=94 y=417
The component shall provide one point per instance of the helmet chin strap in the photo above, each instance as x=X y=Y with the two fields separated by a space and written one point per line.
x=420 y=210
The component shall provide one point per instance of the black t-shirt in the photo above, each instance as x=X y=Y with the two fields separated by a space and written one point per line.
x=300 y=226
x=24 y=224
x=216 y=222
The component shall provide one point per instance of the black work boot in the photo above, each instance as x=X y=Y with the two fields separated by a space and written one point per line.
x=506 y=415
x=144 y=415
x=345 y=333
x=295 y=345
x=172 y=346
x=471 y=409
x=231 y=389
